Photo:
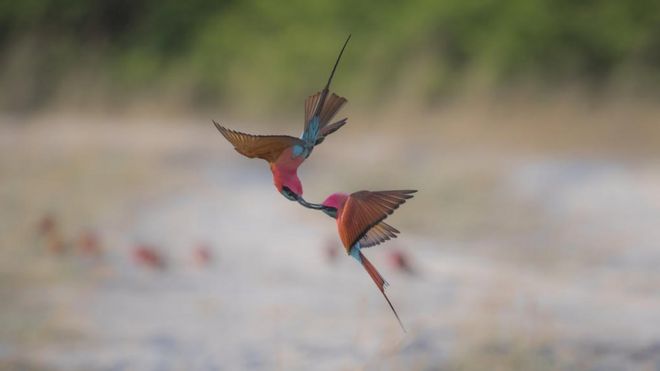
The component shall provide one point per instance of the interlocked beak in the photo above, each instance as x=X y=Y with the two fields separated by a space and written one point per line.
x=310 y=205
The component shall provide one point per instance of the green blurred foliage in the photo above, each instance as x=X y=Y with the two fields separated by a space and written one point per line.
x=261 y=53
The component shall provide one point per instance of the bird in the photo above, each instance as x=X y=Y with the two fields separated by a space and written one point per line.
x=49 y=234
x=148 y=256
x=285 y=153
x=89 y=244
x=401 y=262
x=330 y=251
x=202 y=255
x=360 y=221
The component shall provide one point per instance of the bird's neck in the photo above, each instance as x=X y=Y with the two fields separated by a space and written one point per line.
x=287 y=161
x=284 y=170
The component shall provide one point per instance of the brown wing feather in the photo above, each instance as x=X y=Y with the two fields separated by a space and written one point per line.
x=310 y=107
x=364 y=210
x=380 y=233
x=267 y=147
x=332 y=105
x=329 y=129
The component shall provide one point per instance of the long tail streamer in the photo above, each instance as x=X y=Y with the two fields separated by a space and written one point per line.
x=381 y=283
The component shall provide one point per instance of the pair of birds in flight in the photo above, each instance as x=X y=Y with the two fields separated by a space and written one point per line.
x=360 y=215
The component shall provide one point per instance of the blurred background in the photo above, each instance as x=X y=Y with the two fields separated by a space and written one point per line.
x=133 y=237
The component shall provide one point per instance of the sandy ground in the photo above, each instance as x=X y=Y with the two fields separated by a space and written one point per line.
x=535 y=260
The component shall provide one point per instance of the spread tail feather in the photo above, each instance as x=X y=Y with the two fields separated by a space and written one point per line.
x=321 y=107
x=381 y=283
x=324 y=92
x=329 y=129
x=316 y=126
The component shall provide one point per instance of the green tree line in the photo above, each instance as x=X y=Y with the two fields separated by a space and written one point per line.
x=225 y=52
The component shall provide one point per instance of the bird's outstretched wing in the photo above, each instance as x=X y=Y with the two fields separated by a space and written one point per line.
x=364 y=210
x=378 y=234
x=267 y=147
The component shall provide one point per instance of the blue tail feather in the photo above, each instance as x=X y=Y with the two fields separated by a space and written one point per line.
x=355 y=252
x=311 y=134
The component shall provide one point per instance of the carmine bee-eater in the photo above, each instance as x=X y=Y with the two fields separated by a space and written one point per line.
x=360 y=221
x=286 y=153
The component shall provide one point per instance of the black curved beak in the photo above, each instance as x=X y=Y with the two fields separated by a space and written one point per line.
x=310 y=205
x=330 y=211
